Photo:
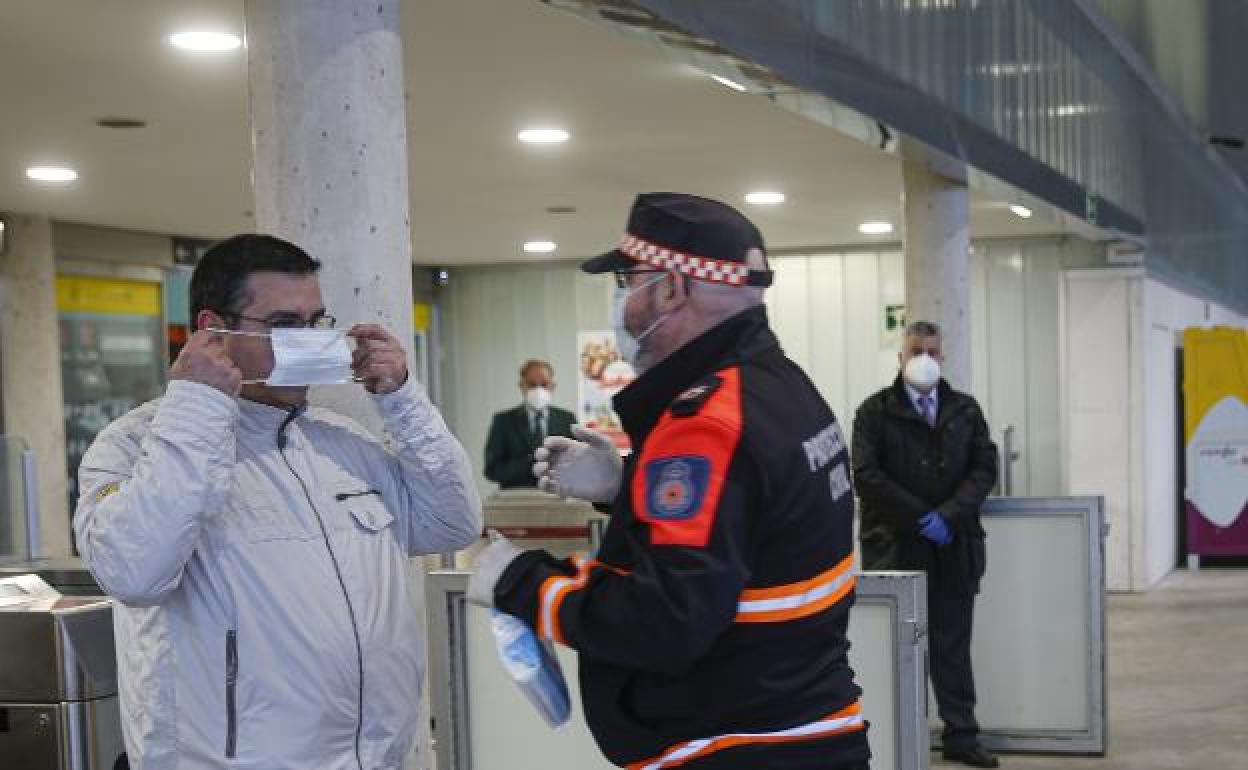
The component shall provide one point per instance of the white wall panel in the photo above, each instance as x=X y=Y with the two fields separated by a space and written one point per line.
x=1098 y=436
x=1042 y=441
x=494 y=318
x=864 y=321
x=1160 y=544
x=1005 y=398
x=830 y=326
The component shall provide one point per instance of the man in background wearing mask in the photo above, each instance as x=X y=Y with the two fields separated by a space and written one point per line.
x=259 y=549
x=711 y=626
x=516 y=433
x=923 y=463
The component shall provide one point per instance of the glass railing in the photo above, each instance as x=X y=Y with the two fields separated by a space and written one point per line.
x=16 y=474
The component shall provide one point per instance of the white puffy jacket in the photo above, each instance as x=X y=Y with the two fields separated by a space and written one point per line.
x=260 y=560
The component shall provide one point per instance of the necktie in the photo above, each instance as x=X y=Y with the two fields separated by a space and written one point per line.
x=541 y=426
x=928 y=409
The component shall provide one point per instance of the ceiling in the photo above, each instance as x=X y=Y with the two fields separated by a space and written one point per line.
x=477 y=72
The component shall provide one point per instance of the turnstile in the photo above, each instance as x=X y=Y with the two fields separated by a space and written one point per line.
x=68 y=575
x=482 y=722
x=58 y=680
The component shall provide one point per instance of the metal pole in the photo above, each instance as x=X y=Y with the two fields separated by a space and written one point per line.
x=30 y=483
x=597 y=528
x=1008 y=458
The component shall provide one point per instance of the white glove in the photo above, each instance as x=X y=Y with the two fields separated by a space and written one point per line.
x=588 y=469
x=488 y=568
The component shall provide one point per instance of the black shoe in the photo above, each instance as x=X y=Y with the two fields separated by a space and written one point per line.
x=975 y=756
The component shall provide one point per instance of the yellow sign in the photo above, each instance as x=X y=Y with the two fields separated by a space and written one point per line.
x=116 y=296
x=1215 y=363
x=421 y=313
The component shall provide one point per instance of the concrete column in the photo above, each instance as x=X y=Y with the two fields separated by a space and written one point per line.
x=330 y=169
x=30 y=367
x=328 y=113
x=936 y=242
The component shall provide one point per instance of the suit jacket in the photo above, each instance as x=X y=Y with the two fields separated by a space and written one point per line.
x=904 y=468
x=509 y=448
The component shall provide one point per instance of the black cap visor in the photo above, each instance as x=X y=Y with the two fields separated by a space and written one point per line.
x=611 y=261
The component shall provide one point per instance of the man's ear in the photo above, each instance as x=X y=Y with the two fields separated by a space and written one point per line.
x=678 y=287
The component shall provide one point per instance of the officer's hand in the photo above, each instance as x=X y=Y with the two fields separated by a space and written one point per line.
x=379 y=360
x=205 y=361
x=488 y=568
x=934 y=527
x=588 y=469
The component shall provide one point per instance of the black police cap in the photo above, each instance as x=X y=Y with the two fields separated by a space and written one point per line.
x=702 y=238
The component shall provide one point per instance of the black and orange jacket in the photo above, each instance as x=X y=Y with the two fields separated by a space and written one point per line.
x=711 y=626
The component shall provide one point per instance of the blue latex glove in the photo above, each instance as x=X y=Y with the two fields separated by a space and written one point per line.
x=934 y=527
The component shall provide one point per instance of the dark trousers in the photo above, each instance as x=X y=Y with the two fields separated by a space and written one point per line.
x=950 y=613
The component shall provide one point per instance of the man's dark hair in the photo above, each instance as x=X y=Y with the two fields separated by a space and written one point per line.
x=221 y=275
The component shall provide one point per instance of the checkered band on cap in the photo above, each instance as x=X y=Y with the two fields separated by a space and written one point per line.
x=702 y=268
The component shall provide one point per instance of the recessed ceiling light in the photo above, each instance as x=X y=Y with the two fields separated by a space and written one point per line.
x=1020 y=211
x=539 y=247
x=764 y=198
x=543 y=135
x=205 y=41
x=875 y=228
x=51 y=174
x=726 y=83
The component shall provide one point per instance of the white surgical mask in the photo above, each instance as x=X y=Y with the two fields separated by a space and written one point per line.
x=922 y=371
x=310 y=357
x=628 y=345
x=537 y=398
x=304 y=357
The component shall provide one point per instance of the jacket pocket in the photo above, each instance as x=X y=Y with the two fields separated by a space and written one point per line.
x=367 y=509
x=231 y=693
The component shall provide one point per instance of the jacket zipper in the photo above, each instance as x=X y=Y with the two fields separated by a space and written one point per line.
x=333 y=558
x=231 y=689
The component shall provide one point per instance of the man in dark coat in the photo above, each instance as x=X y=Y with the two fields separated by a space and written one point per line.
x=923 y=463
x=516 y=433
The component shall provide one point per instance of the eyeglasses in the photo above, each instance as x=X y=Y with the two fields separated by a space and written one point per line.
x=287 y=320
x=621 y=276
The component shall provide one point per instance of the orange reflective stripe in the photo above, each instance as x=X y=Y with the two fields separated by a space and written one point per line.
x=847 y=720
x=797 y=600
x=800 y=587
x=556 y=588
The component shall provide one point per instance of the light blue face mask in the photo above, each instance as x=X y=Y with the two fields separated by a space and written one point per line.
x=628 y=345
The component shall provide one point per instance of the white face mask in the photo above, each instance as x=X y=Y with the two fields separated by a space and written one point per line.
x=309 y=357
x=630 y=346
x=537 y=398
x=922 y=371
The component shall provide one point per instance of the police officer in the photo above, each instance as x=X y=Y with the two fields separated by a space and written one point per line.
x=923 y=463
x=711 y=626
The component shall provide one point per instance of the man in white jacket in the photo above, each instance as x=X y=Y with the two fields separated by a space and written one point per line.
x=259 y=549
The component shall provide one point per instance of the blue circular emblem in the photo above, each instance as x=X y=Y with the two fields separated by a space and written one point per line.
x=674 y=491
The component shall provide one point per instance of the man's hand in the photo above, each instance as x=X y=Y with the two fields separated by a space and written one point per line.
x=379 y=360
x=488 y=568
x=588 y=469
x=934 y=527
x=205 y=361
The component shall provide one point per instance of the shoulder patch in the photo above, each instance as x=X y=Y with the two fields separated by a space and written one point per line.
x=108 y=490
x=676 y=486
x=692 y=400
